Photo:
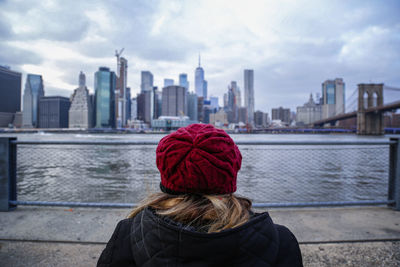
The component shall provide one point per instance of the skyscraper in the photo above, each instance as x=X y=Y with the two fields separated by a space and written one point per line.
x=174 y=101
x=183 y=81
x=147 y=81
x=32 y=93
x=53 y=112
x=333 y=98
x=200 y=84
x=205 y=89
x=81 y=108
x=192 y=110
x=104 y=86
x=249 y=95
x=168 y=82
x=10 y=95
x=120 y=93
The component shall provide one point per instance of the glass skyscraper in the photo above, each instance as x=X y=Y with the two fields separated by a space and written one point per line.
x=147 y=81
x=333 y=98
x=104 y=86
x=249 y=95
x=200 y=83
x=32 y=93
x=183 y=81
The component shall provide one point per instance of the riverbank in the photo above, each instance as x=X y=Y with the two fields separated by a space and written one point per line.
x=43 y=236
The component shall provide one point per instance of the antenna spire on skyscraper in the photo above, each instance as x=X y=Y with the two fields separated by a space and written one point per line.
x=199 y=60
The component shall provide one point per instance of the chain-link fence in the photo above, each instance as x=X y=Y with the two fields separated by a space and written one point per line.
x=271 y=172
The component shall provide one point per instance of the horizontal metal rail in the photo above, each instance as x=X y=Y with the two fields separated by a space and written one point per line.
x=255 y=142
x=255 y=205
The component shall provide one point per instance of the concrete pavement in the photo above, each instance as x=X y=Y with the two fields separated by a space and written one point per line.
x=44 y=236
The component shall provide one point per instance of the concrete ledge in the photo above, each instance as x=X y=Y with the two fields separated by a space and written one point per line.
x=17 y=253
x=44 y=236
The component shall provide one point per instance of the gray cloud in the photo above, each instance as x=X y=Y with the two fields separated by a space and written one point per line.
x=15 y=56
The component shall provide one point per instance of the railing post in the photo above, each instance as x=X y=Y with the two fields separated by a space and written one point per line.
x=394 y=174
x=8 y=173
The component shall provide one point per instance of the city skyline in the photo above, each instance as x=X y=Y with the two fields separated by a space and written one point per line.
x=292 y=47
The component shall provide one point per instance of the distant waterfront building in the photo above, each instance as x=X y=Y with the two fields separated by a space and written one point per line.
x=121 y=92
x=53 y=112
x=10 y=95
x=282 y=114
x=92 y=114
x=147 y=81
x=183 y=81
x=157 y=100
x=200 y=113
x=81 y=109
x=104 y=86
x=249 y=94
x=200 y=83
x=168 y=123
x=214 y=103
x=260 y=119
x=333 y=98
x=134 y=109
x=174 y=101
x=242 y=112
x=168 y=82
x=128 y=103
x=145 y=106
x=205 y=89
x=219 y=119
x=309 y=112
x=33 y=92
x=192 y=109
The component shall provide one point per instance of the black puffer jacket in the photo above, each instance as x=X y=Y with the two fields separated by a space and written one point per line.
x=149 y=240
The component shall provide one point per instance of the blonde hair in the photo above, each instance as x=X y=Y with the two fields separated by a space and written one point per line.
x=208 y=213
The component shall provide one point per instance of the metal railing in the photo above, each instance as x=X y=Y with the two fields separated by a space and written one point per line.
x=273 y=174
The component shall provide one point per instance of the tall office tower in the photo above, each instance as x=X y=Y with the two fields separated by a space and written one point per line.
x=82 y=79
x=200 y=84
x=205 y=89
x=183 y=81
x=157 y=97
x=104 y=86
x=128 y=103
x=174 y=101
x=32 y=93
x=53 y=112
x=333 y=98
x=10 y=95
x=145 y=106
x=134 y=108
x=120 y=93
x=80 y=110
x=168 y=82
x=281 y=113
x=249 y=95
x=242 y=114
x=147 y=81
x=214 y=103
x=200 y=105
x=192 y=110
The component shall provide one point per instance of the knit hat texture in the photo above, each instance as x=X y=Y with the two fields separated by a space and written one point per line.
x=198 y=159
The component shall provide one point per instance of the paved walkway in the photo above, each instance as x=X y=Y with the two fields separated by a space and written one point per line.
x=43 y=236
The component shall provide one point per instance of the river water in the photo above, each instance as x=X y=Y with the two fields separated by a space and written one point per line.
x=92 y=173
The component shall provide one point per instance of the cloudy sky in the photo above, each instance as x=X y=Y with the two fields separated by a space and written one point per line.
x=293 y=46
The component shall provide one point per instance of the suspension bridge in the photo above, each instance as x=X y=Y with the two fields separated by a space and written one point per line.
x=368 y=107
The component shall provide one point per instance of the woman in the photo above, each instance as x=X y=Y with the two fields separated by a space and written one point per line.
x=197 y=220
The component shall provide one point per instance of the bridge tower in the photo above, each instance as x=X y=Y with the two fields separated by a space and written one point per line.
x=370 y=122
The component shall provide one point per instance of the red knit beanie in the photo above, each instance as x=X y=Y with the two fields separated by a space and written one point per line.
x=198 y=159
